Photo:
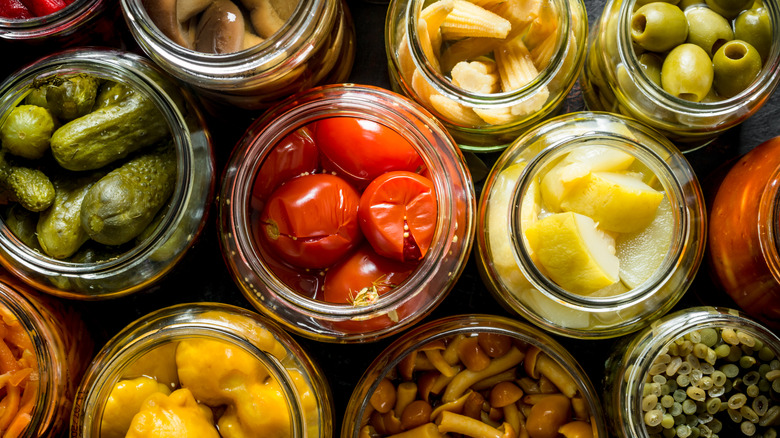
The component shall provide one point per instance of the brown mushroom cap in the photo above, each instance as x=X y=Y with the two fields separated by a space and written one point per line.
x=220 y=28
x=163 y=15
x=504 y=394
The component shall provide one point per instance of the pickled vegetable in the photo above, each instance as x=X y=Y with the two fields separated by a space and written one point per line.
x=65 y=97
x=19 y=368
x=27 y=131
x=29 y=187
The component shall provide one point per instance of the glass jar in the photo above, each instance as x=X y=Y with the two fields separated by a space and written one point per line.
x=527 y=357
x=632 y=361
x=223 y=355
x=487 y=118
x=657 y=255
x=614 y=80
x=59 y=349
x=743 y=236
x=315 y=46
x=102 y=271
x=412 y=299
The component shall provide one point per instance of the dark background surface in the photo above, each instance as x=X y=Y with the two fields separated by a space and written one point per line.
x=203 y=276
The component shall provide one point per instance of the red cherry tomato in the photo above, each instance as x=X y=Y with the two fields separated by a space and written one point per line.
x=361 y=149
x=398 y=215
x=359 y=280
x=294 y=155
x=311 y=221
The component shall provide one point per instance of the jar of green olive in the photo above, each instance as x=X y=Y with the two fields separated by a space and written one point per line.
x=202 y=369
x=491 y=71
x=591 y=225
x=113 y=178
x=690 y=69
x=702 y=371
x=475 y=375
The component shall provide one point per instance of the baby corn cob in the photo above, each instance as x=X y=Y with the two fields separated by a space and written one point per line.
x=469 y=20
x=405 y=63
x=515 y=66
x=545 y=24
x=487 y=4
x=543 y=53
x=520 y=13
x=422 y=87
x=426 y=45
x=495 y=116
x=477 y=76
x=531 y=104
x=434 y=15
x=454 y=112
x=467 y=50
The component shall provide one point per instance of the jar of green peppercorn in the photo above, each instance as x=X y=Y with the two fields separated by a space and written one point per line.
x=689 y=68
x=700 y=372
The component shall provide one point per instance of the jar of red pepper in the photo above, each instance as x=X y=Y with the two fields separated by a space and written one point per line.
x=346 y=213
x=744 y=233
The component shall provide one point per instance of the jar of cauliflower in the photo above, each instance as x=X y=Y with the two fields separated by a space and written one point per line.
x=206 y=370
x=591 y=225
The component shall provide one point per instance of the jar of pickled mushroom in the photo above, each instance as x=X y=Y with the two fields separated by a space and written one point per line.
x=703 y=371
x=689 y=68
x=590 y=226
x=743 y=235
x=107 y=170
x=474 y=375
x=488 y=70
x=203 y=369
x=346 y=213
x=44 y=351
x=248 y=54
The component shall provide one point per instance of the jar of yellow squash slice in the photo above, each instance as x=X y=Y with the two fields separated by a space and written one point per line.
x=590 y=226
x=208 y=369
x=489 y=70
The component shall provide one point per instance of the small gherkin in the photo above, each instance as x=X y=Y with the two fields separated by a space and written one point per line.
x=29 y=187
x=66 y=97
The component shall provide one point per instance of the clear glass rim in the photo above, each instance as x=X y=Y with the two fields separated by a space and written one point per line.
x=38 y=26
x=769 y=225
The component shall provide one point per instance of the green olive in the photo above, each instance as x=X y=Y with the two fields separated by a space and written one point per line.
x=754 y=27
x=729 y=8
x=685 y=4
x=736 y=65
x=651 y=65
x=659 y=26
x=640 y=3
x=687 y=72
x=707 y=29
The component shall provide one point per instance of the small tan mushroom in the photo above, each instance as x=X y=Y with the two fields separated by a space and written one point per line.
x=383 y=398
x=529 y=363
x=505 y=393
x=466 y=378
x=416 y=414
x=456 y=406
x=220 y=28
x=473 y=405
x=494 y=344
x=576 y=429
x=433 y=351
x=405 y=394
x=472 y=355
x=492 y=381
x=428 y=430
x=387 y=423
x=406 y=365
x=450 y=422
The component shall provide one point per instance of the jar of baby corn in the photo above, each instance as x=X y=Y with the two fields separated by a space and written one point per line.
x=489 y=70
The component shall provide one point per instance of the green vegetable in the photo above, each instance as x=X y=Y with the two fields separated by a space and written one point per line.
x=29 y=187
x=111 y=93
x=22 y=223
x=753 y=27
x=687 y=72
x=65 y=97
x=707 y=29
x=27 y=130
x=736 y=65
x=109 y=133
x=651 y=65
x=59 y=227
x=729 y=8
x=658 y=26
x=124 y=202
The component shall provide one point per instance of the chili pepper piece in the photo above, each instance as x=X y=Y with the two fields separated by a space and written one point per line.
x=41 y=8
x=14 y=9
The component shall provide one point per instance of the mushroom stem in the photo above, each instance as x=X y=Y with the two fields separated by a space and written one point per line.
x=438 y=361
x=427 y=430
x=450 y=422
x=466 y=378
x=560 y=378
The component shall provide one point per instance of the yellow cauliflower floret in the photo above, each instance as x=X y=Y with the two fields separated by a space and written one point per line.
x=260 y=410
x=125 y=401
x=173 y=416
x=158 y=363
x=255 y=334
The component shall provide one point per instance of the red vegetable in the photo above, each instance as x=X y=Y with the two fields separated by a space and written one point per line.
x=361 y=150
x=41 y=8
x=311 y=221
x=14 y=9
x=398 y=215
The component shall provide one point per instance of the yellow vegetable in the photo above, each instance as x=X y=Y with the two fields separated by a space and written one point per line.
x=257 y=335
x=176 y=415
x=260 y=410
x=125 y=401
x=158 y=363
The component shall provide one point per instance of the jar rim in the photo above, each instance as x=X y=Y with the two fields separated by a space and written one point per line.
x=38 y=27
x=769 y=223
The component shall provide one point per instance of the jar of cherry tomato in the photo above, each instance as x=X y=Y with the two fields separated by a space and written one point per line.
x=488 y=72
x=44 y=351
x=694 y=373
x=590 y=226
x=111 y=178
x=252 y=59
x=346 y=213
x=169 y=369
x=743 y=236
x=639 y=63
x=476 y=375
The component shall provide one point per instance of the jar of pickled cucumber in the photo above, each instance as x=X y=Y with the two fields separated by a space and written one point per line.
x=107 y=173
x=590 y=226
x=476 y=375
x=490 y=71
x=346 y=213
x=690 y=69
x=45 y=350
x=702 y=371
x=205 y=368
x=247 y=54
x=743 y=233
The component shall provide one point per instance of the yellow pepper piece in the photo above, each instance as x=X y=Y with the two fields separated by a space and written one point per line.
x=173 y=416
x=158 y=363
x=261 y=410
x=125 y=401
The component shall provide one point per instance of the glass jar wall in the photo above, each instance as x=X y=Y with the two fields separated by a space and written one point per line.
x=503 y=71
x=313 y=45
x=296 y=260
x=621 y=76
x=143 y=126
x=590 y=226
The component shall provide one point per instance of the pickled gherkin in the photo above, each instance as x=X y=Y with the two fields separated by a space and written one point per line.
x=125 y=201
x=111 y=93
x=29 y=187
x=65 y=97
x=22 y=223
x=27 y=130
